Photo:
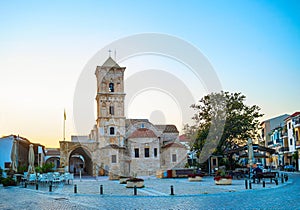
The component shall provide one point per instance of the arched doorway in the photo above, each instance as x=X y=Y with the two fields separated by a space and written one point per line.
x=80 y=160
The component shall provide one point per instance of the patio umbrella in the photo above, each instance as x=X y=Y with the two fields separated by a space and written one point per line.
x=13 y=156
x=250 y=151
x=250 y=154
x=31 y=169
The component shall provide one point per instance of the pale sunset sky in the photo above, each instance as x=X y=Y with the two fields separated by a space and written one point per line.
x=253 y=46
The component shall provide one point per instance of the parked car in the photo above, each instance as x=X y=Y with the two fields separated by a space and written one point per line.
x=289 y=168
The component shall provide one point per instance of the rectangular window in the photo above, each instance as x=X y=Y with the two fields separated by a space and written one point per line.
x=289 y=125
x=291 y=141
x=174 y=158
x=214 y=162
x=136 y=153
x=111 y=110
x=297 y=136
x=147 y=152
x=155 y=152
x=113 y=159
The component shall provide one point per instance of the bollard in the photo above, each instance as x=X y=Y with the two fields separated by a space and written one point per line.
x=36 y=186
x=134 y=191
x=25 y=185
x=246 y=184
x=172 y=190
x=50 y=187
x=101 y=189
x=264 y=183
x=286 y=177
x=75 y=188
x=250 y=185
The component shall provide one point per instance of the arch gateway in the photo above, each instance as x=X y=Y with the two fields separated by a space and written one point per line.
x=118 y=146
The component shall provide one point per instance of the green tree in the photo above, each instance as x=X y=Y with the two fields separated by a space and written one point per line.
x=222 y=122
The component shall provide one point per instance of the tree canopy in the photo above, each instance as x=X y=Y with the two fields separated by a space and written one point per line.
x=222 y=121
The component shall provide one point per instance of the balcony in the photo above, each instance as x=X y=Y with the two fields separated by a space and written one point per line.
x=283 y=149
x=270 y=143
x=278 y=141
x=284 y=134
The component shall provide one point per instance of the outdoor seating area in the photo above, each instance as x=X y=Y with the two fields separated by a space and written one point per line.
x=54 y=178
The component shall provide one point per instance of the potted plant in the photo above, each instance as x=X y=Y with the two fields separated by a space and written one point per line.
x=195 y=177
x=222 y=178
x=134 y=182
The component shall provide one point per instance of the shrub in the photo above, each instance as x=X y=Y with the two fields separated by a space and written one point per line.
x=194 y=175
x=8 y=182
x=217 y=178
x=133 y=179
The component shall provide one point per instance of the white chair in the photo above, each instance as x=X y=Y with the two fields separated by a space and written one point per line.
x=43 y=179
x=32 y=179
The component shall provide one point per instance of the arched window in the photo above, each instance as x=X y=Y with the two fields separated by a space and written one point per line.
x=111 y=131
x=111 y=110
x=111 y=87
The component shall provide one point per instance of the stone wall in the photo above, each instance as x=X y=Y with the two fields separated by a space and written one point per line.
x=144 y=166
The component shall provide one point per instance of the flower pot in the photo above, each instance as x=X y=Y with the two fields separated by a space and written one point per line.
x=223 y=181
x=195 y=179
x=123 y=180
x=131 y=184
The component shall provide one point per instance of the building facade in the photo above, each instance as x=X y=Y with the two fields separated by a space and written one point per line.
x=283 y=136
x=271 y=137
x=118 y=146
x=22 y=150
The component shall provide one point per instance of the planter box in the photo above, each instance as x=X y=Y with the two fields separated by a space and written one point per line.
x=224 y=181
x=195 y=179
x=131 y=184
x=123 y=180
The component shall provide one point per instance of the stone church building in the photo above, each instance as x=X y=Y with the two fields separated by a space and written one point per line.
x=118 y=146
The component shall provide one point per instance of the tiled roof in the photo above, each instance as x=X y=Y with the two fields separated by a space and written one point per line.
x=54 y=151
x=184 y=138
x=293 y=115
x=143 y=133
x=173 y=144
x=129 y=122
x=167 y=128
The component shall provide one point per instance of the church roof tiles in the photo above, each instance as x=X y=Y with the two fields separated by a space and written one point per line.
x=167 y=128
x=143 y=133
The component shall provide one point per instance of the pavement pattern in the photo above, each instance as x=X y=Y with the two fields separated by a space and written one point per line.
x=155 y=195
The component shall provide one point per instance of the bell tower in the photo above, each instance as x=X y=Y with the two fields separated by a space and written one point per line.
x=110 y=103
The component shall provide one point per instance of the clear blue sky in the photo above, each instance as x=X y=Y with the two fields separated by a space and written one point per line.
x=254 y=47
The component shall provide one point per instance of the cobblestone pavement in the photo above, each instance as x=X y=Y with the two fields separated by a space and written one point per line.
x=155 y=195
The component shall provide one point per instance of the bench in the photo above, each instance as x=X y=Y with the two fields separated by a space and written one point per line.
x=238 y=174
x=264 y=175
x=180 y=173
